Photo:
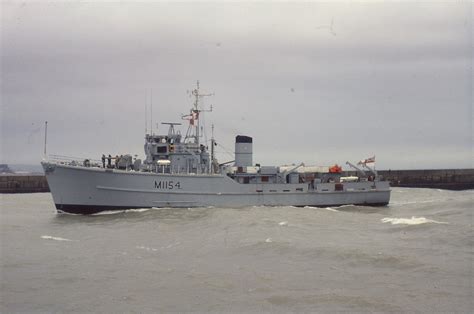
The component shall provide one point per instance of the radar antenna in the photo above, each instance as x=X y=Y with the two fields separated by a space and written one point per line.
x=171 y=130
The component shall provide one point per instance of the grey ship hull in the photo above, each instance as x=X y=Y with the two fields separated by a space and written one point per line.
x=82 y=190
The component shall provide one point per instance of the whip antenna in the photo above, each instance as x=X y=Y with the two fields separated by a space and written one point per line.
x=45 y=137
x=151 y=112
x=146 y=118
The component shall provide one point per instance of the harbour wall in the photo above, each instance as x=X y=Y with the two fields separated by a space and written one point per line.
x=453 y=179
x=450 y=179
x=23 y=183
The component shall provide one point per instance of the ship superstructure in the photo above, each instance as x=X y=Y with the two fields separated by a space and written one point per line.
x=174 y=153
x=182 y=171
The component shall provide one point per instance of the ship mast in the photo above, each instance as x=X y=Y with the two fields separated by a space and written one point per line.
x=193 y=117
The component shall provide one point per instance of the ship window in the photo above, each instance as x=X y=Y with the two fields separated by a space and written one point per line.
x=246 y=180
x=299 y=189
x=264 y=178
x=161 y=149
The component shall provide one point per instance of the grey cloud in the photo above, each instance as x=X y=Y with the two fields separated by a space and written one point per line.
x=394 y=78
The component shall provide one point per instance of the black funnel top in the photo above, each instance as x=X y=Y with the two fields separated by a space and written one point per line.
x=243 y=139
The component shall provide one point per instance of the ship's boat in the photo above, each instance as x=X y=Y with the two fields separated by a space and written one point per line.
x=181 y=171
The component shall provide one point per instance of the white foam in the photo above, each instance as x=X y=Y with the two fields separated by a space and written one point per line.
x=149 y=249
x=331 y=209
x=121 y=211
x=268 y=240
x=138 y=210
x=348 y=205
x=326 y=208
x=410 y=221
x=109 y=212
x=66 y=213
x=283 y=223
x=414 y=202
x=47 y=237
x=171 y=245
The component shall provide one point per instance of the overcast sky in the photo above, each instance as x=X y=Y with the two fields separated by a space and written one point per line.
x=314 y=82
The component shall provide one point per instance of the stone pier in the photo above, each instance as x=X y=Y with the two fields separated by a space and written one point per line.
x=23 y=183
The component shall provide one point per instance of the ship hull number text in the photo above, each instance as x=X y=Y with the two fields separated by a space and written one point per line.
x=168 y=185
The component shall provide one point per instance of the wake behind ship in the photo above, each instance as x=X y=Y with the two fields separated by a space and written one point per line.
x=180 y=171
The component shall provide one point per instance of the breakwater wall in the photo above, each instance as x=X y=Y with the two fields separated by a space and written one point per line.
x=23 y=183
x=449 y=179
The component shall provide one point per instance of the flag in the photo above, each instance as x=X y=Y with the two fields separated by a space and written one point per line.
x=367 y=161
x=194 y=117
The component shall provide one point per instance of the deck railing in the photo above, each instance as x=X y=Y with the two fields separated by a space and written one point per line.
x=75 y=161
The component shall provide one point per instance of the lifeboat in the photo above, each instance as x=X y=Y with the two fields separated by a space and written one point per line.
x=335 y=169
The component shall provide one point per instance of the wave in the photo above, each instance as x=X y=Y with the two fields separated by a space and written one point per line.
x=348 y=205
x=283 y=223
x=47 y=237
x=66 y=213
x=326 y=208
x=138 y=210
x=416 y=202
x=109 y=212
x=410 y=221
x=121 y=211
x=146 y=248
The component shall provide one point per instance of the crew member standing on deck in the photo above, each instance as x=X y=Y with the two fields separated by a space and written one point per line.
x=103 y=161
x=109 y=161
x=117 y=159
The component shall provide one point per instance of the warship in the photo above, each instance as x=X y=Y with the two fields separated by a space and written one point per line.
x=183 y=172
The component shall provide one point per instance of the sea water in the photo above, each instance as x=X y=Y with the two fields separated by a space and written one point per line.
x=415 y=255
